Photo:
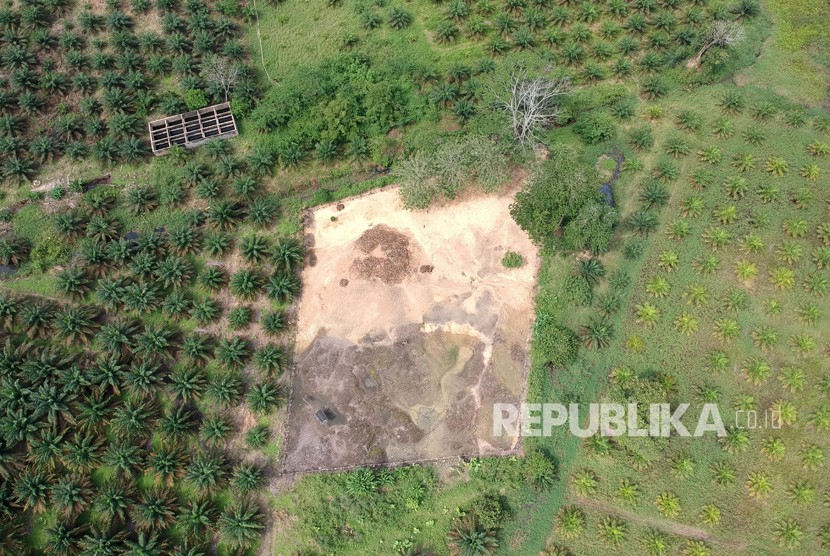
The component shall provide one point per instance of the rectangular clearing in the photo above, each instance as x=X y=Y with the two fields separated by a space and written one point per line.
x=409 y=329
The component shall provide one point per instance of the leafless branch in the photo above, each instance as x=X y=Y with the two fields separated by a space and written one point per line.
x=722 y=33
x=222 y=71
x=531 y=101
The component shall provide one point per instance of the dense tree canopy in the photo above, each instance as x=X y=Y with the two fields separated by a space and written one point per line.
x=561 y=206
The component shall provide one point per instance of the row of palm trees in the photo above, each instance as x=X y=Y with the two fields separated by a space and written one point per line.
x=157 y=270
x=785 y=248
x=114 y=66
x=105 y=439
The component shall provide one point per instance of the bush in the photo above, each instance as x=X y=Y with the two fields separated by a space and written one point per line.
x=195 y=99
x=48 y=253
x=321 y=197
x=562 y=207
x=538 y=468
x=490 y=509
x=512 y=259
x=578 y=290
x=592 y=228
x=596 y=127
x=425 y=176
x=555 y=344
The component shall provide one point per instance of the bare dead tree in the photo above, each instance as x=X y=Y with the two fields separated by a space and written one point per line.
x=531 y=100
x=723 y=33
x=222 y=71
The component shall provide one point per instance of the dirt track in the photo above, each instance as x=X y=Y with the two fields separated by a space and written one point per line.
x=409 y=329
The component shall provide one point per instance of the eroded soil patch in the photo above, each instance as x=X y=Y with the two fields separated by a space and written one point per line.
x=409 y=329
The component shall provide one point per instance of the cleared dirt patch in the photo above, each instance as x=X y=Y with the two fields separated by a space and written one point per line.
x=409 y=329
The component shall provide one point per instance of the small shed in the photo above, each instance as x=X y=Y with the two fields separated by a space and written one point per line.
x=191 y=129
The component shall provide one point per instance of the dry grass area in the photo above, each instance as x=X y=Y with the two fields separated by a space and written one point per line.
x=409 y=329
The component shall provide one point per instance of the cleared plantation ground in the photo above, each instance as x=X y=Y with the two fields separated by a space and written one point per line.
x=409 y=329
x=730 y=307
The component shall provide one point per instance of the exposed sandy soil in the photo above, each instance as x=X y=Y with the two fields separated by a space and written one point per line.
x=409 y=329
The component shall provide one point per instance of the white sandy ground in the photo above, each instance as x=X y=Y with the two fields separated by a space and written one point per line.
x=464 y=242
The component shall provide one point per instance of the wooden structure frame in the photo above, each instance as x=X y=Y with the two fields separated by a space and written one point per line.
x=191 y=129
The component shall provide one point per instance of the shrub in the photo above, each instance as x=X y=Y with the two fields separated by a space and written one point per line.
x=512 y=259
x=47 y=253
x=195 y=99
x=555 y=344
x=490 y=509
x=595 y=127
x=578 y=290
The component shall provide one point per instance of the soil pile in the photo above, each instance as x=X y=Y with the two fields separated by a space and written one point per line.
x=387 y=255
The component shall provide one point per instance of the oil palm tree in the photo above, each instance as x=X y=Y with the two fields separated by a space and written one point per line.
x=36 y=319
x=613 y=530
x=71 y=224
x=198 y=347
x=215 y=430
x=226 y=388
x=245 y=283
x=116 y=336
x=273 y=323
x=83 y=452
x=759 y=484
x=262 y=211
x=76 y=325
x=197 y=518
x=282 y=287
x=240 y=525
x=246 y=478
x=184 y=239
x=144 y=377
x=265 y=397
x=102 y=228
x=93 y=411
x=206 y=471
x=167 y=464
x=776 y=166
x=110 y=292
x=155 y=510
x=789 y=533
x=155 y=342
x=133 y=420
x=73 y=282
x=71 y=495
x=174 y=271
x=224 y=215
x=288 y=253
x=9 y=308
x=62 y=537
x=598 y=333
x=140 y=297
x=254 y=248
x=233 y=352
x=176 y=305
x=177 y=423
x=32 y=489
x=141 y=199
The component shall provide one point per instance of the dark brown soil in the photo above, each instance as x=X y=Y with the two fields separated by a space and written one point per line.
x=416 y=399
x=387 y=255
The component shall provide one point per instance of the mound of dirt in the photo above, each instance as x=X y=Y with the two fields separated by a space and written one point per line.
x=387 y=255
